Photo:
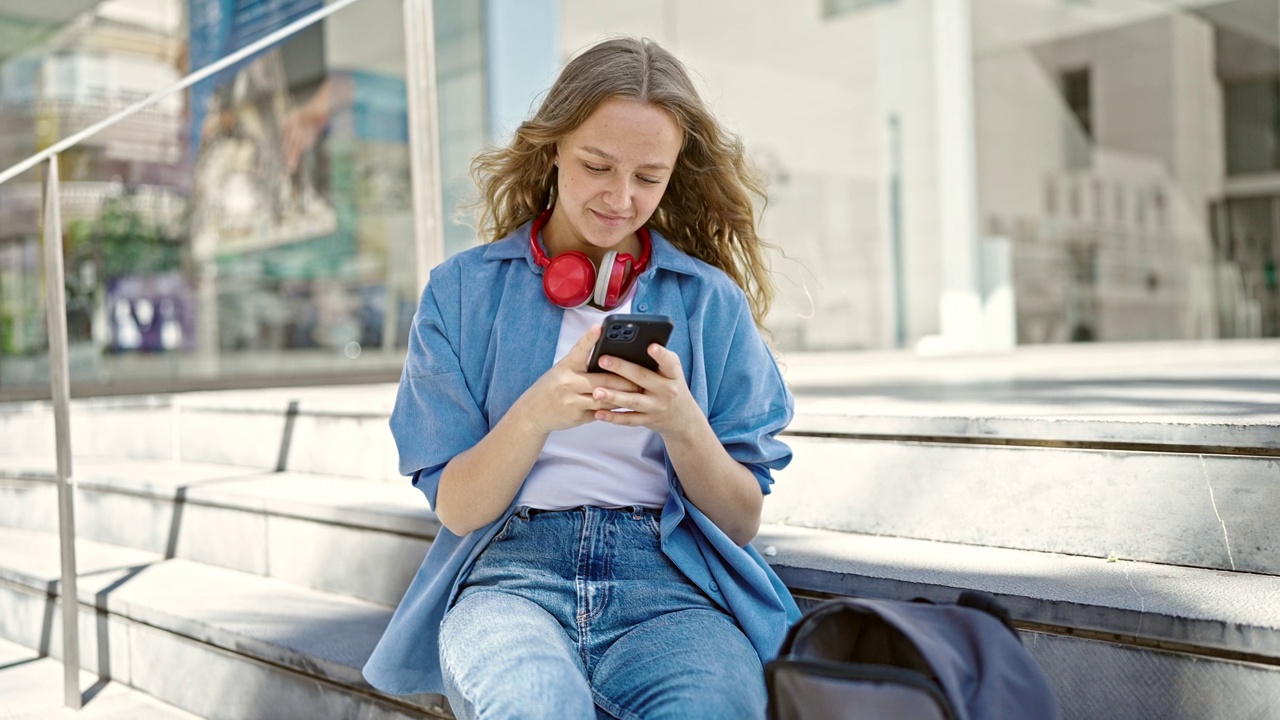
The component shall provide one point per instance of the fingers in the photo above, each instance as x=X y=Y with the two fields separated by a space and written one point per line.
x=668 y=367
x=611 y=381
x=629 y=419
x=668 y=362
x=577 y=357
x=611 y=399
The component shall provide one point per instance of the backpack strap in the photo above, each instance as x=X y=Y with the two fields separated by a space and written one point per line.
x=988 y=604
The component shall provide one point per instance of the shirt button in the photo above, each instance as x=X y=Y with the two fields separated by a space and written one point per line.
x=714 y=586
x=643 y=307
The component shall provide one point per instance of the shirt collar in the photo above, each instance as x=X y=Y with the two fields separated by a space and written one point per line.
x=665 y=255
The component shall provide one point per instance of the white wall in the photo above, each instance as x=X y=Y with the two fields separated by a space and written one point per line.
x=1157 y=162
x=811 y=97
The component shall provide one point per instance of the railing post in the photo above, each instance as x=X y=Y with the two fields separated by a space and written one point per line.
x=424 y=137
x=60 y=385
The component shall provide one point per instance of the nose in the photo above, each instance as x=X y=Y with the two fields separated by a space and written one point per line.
x=617 y=194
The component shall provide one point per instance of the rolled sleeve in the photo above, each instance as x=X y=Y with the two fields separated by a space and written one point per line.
x=435 y=416
x=752 y=403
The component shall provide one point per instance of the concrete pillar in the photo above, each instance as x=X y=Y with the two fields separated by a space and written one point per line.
x=960 y=301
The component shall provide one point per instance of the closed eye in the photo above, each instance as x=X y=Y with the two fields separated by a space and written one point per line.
x=595 y=168
x=648 y=180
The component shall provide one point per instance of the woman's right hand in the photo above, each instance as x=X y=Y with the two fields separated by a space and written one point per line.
x=562 y=397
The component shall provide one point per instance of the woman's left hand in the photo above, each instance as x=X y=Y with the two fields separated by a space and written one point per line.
x=664 y=403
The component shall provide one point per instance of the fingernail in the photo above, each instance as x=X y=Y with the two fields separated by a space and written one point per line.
x=606 y=362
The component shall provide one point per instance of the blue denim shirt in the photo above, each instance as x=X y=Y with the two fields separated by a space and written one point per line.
x=483 y=333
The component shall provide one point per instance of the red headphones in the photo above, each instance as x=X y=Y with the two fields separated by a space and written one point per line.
x=570 y=279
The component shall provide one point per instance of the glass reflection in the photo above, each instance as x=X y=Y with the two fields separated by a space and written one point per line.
x=258 y=224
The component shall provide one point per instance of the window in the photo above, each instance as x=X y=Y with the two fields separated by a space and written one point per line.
x=1252 y=118
x=1079 y=128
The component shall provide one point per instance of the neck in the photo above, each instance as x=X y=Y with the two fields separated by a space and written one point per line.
x=558 y=236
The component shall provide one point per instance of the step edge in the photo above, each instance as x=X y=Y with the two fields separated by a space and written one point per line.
x=416 y=520
x=1071 y=609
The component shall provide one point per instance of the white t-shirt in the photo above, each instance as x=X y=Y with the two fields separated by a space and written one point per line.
x=599 y=463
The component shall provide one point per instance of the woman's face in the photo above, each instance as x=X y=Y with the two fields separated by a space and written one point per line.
x=613 y=171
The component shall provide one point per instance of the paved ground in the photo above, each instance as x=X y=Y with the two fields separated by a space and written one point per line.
x=31 y=689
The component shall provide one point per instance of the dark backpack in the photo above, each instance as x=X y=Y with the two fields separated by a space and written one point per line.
x=861 y=658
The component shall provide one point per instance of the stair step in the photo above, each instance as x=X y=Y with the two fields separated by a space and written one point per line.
x=1222 y=394
x=158 y=615
x=118 y=427
x=1212 y=612
x=1039 y=423
x=32 y=686
x=1177 y=508
x=1117 y=640
x=314 y=530
x=167 y=621
x=332 y=431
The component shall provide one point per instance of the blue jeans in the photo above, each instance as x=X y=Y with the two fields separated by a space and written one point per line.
x=579 y=614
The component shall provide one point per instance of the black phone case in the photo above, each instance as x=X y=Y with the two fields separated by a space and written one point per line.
x=649 y=329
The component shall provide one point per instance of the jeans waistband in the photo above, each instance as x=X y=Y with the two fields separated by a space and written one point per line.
x=636 y=511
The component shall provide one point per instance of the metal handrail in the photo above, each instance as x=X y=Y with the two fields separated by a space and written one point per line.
x=60 y=386
x=420 y=79
x=227 y=61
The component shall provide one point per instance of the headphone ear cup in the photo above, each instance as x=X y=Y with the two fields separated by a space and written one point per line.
x=603 y=277
x=569 y=279
x=619 y=281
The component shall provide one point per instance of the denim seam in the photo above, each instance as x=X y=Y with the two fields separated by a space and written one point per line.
x=612 y=708
x=506 y=528
x=658 y=622
x=602 y=555
x=581 y=590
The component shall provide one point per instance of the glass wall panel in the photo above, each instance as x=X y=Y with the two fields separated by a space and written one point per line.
x=23 y=331
x=258 y=225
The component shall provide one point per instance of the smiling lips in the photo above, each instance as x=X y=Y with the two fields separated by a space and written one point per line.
x=609 y=220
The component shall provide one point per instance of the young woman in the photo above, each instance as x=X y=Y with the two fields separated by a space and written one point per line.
x=594 y=559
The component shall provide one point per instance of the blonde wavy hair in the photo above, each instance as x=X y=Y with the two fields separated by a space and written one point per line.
x=707 y=209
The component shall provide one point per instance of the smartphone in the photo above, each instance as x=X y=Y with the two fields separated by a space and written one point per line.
x=629 y=337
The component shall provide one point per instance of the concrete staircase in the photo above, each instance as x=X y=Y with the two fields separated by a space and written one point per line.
x=240 y=552
x=207 y=578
